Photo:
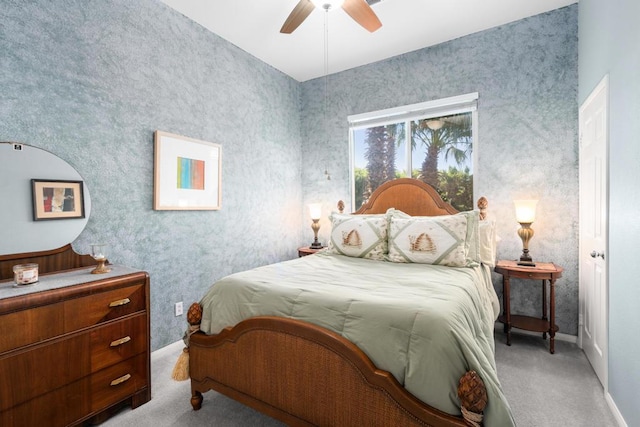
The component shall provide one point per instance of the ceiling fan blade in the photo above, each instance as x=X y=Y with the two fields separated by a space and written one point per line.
x=297 y=15
x=362 y=13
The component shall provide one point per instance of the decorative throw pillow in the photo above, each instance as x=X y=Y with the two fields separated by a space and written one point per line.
x=450 y=240
x=361 y=236
x=471 y=238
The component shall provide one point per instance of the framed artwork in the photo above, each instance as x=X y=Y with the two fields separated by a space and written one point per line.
x=187 y=173
x=57 y=199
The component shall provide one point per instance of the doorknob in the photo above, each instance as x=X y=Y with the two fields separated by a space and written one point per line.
x=595 y=254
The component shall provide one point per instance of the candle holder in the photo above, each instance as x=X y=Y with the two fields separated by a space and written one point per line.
x=99 y=253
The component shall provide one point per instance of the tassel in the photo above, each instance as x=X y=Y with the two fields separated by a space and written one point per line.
x=181 y=369
x=472 y=418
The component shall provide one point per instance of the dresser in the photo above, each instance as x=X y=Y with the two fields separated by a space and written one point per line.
x=74 y=347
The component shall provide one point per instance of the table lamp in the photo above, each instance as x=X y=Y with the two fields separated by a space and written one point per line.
x=315 y=211
x=525 y=215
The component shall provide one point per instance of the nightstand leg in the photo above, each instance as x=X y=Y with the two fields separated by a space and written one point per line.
x=552 y=310
x=544 y=305
x=506 y=293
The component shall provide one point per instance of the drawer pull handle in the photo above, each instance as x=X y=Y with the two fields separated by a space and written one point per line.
x=120 y=380
x=120 y=341
x=120 y=302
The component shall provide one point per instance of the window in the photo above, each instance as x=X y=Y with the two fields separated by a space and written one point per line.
x=431 y=141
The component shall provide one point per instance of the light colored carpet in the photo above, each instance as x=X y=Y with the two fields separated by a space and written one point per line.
x=543 y=389
x=548 y=390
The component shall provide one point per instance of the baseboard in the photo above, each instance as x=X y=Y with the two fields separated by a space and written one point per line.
x=614 y=410
x=559 y=335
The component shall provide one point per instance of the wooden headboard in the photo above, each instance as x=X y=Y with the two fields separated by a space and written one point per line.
x=409 y=195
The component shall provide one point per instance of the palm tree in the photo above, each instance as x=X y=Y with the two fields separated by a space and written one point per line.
x=451 y=135
x=381 y=157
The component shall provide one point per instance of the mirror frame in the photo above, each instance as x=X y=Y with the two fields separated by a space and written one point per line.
x=19 y=164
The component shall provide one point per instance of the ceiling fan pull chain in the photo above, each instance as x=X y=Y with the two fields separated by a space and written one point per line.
x=326 y=72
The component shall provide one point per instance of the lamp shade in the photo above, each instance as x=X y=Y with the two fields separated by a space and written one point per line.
x=315 y=210
x=525 y=211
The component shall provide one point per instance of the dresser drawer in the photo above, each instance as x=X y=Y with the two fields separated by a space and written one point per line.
x=30 y=326
x=101 y=307
x=40 y=368
x=117 y=382
x=60 y=407
x=113 y=343
x=29 y=373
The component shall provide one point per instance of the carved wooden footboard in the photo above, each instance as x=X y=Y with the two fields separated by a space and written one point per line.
x=303 y=374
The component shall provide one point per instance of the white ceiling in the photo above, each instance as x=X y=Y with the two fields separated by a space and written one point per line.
x=407 y=25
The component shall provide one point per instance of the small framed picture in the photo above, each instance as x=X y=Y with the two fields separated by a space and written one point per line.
x=187 y=173
x=57 y=199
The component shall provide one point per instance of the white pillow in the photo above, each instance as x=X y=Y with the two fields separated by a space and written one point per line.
x=361 y=236
x=488 y=242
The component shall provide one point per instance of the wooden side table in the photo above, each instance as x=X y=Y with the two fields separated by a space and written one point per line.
x=547 y=272
x=307 y=250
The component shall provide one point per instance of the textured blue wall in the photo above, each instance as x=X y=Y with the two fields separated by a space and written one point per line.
x=526 y=74
x=609 y=36
x=91 y=80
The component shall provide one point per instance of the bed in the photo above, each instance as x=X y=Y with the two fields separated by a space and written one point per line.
x=349 y=338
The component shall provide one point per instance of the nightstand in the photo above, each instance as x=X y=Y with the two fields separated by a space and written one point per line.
x=546 y=272
x=307 y=250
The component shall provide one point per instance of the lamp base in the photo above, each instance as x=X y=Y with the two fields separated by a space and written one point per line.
x=525 y=259
x=526 y=263
x=315 y=226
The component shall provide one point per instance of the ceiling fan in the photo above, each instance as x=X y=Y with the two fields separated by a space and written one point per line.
x=359 y=10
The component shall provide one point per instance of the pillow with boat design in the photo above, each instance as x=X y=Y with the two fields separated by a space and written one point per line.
x=440 y=240
x=360 y=236
x=471 y=241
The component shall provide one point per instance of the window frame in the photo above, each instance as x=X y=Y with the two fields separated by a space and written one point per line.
x=406 y=114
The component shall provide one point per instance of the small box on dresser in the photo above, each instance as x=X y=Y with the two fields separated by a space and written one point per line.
x=73 y=347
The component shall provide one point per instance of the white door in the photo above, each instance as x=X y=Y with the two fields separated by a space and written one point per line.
x=594 y=294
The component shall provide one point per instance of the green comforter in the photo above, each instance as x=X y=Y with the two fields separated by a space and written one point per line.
x=427 y=325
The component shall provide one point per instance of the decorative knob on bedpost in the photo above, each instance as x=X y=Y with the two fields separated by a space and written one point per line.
x=473 y=398
x=194 y=315
x=340 y=206
x=482 y=205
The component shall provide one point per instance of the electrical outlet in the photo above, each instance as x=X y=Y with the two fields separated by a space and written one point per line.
x=178 y=308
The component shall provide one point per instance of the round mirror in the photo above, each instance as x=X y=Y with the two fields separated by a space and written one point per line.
x=45 y=203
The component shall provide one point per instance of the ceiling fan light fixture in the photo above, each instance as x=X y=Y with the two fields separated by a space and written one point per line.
x=435 y=124
x=358 y=10
x=327 y=4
